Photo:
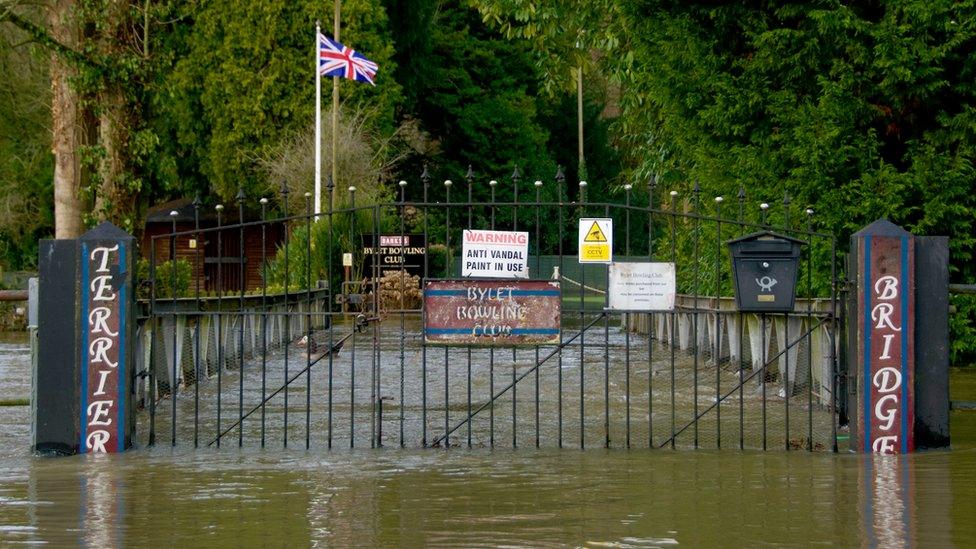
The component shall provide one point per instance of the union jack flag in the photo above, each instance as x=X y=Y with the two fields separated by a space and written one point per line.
x=338 y=60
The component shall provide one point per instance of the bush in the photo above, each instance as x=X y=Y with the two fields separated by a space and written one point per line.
x=962 y=331
x=168 y=283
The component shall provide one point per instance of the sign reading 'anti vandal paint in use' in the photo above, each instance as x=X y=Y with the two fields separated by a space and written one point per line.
x=491 y=312
x=495 y=254
x=886 y=337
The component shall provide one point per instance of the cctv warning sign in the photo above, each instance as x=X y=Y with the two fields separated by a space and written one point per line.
x=595 y=240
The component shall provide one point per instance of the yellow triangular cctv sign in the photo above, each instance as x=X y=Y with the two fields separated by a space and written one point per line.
x=595 y=234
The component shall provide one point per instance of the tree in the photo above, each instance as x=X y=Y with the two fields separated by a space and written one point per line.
x=26 y=163
x=100 y=71
x=857 y=110
x=244 y=82
x=67 y=132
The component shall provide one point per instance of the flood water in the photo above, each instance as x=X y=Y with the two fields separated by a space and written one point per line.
x=478 y=497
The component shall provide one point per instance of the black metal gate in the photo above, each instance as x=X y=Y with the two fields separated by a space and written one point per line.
x=302 y=358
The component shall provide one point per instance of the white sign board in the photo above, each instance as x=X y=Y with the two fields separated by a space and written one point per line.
x=642 y=286
x=495 y=254
x=347 y=260
x=595 y=240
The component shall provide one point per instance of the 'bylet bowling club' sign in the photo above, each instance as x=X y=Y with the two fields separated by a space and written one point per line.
x=886 y=353
x=491 y=312
x=105 y=285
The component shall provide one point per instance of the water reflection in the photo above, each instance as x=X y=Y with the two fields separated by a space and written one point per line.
x=101 y=504
x=889 y=507
x=472 y=498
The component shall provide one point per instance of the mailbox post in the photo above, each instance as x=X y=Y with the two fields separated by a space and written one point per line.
x=764 y=267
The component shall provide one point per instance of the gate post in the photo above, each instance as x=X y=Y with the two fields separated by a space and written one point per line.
x=899 y=366
x=55 y=375
x=932 y=342
x=85 y=366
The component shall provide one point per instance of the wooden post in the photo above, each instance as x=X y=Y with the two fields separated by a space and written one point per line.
x=884 y=348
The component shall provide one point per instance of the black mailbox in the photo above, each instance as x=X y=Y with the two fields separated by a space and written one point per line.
x=764 y=267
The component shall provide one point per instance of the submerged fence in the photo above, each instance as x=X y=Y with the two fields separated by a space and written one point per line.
x=308 y=362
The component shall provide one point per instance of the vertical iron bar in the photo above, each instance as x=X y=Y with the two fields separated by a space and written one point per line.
x=834 y=328
x=515 y=182
x=491 y=350
x=240 y=316
x=718 y=316
x=786 y=376
x=156 y=331
x=355 y=328
x=220 y=319
x=742 y=440
x=582 y=294
x=172 y=289
x=538 y=274
x=447 y=274
x=197 y=274
x=560 y=183
x=606 y=348
x=786 y=337
x=308 y=320
x=627 y=317
x=651 y=184
x=696 y=206
x=470 y=179
x=674 y=327
x=403 y=334
x=287 y=319
x=371 y=276
x=809 y=213
x=425 y=180
x=762 y=377
x=376 y=378
x=264 y=312
x=330 y=185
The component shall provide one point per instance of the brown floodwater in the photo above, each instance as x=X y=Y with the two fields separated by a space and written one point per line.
x=463 y=497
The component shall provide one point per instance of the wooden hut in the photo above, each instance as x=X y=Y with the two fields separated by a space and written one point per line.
x=212 y=252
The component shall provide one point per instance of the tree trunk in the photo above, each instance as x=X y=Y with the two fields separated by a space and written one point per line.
x=116 y=196
x=113 y=202
x=66 y=127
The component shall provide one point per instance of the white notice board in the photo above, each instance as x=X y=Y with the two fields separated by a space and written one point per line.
x=495 y=254
x=642 y=286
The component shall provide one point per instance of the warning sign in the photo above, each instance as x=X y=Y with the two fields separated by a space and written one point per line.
x=595 y=234
x=495 y=254
x=595 y=240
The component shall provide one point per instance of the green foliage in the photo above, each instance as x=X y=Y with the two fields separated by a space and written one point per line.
x=437 y=262
x=860 y=112
x=26 y=164
x=339 y=233
x=172 y=279
x=246 y=79
x=477 y=99
x=962 y=328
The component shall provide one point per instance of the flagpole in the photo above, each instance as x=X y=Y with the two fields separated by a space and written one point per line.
x=335 y=101
x=318 y=123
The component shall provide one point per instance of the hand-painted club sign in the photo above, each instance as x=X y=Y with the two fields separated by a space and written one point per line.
x=104 y=286
x=886 y=301
x=491 y=312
